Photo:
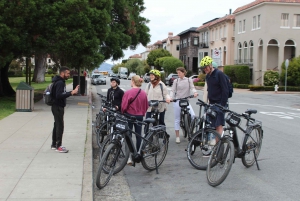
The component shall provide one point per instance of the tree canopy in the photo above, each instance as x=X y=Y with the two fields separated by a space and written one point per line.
x=170 y=64
x=293 y=72
x=155 y=54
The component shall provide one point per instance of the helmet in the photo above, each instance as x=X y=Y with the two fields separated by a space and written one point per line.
x=115 y=79
x=206 y=61
x=155 y=72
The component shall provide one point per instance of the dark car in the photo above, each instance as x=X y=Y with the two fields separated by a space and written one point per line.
x=170 y=79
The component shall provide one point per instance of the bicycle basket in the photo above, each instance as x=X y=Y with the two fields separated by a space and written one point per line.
x=233 y=120
x=183 y=103
x=121 y=125
x=211 y=113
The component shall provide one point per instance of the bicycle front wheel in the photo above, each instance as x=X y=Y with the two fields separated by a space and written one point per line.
x=187 y=122
x=156 y=146
x=253 y=145
x=182 y=125
x=200 y=147
x=107 y=165
x=123 y=156
x=100 y=133
x=220 y=162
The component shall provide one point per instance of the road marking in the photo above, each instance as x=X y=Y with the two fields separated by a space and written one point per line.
x=283 y=115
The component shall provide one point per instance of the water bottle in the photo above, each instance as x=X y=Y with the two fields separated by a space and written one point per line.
x=47 y=93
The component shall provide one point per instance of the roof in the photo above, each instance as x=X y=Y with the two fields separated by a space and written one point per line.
x=257 y=2
x=135 y=56
x=216 y=21
x=192 y=29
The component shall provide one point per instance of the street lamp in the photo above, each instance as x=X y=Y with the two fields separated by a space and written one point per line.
x=286 y=67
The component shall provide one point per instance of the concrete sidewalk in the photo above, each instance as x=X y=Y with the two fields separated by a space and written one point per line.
x=30 y=170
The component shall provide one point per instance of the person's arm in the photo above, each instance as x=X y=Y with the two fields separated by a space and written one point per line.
x=224 y=88
x=60 y=90
x=147 y=88
x=173 y=90
x=205 y=98
x=165 y=93
x=193 y=89
x=124 y=104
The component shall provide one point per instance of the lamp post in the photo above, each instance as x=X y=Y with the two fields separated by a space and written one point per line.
x=286 y=67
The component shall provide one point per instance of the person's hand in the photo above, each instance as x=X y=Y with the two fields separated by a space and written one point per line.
x=168 y=100
x=104 y=109
x=195 y=94
x=75 y=91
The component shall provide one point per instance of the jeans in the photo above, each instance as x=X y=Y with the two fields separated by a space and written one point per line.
x=58 y=128
x=137 y=129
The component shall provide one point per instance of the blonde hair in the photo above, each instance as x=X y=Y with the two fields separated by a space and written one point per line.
x=181 y=69
x=137 y=80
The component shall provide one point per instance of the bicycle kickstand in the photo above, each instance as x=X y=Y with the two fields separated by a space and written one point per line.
x=156 y=164
x=256 y=160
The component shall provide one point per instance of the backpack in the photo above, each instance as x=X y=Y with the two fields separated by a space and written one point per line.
x=47 y=96
x=161 y=87
x=229 y=84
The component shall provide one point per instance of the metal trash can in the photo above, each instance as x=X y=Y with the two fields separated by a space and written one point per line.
x=24 y=98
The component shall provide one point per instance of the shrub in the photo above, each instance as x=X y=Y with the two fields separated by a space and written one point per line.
x=256 y=88
x=237 y=73
x=271 y=78
x=50 y=71
x=199 y=84
x=293 y=72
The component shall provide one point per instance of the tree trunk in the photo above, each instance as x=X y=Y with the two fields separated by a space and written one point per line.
x=5 y=87
x=40 y=68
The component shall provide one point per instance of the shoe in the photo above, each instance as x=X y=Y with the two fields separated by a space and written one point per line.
x=177 y=140
x=129 y=162
x=53 y=147
x=62 y=149
x=212 y=142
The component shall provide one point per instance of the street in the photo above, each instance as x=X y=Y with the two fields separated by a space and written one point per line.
x=278 y=178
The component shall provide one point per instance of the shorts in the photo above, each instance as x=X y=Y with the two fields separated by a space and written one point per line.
x=220 y=118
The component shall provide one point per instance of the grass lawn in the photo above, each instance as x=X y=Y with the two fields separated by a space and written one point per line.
x=8 y=104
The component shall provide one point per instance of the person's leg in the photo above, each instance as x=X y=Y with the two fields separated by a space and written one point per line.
x=53 y=145
x=138 y=129
x=177 y=110
x=59 y=123
x=162 y=118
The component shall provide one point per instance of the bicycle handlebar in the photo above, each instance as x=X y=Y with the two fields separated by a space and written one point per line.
x=176 y=99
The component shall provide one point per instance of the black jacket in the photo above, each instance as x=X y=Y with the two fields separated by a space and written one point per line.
x=115 y=95
x=59 y=91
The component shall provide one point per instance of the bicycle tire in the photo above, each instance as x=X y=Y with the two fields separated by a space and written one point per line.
x=221 y=161
x=99 y=134
x=98 y=122
x=182 y=125
x=107 y=161
x=252 y=147
x=187 y=122
x=123 y=156
x=198 y=150
x=159 y=147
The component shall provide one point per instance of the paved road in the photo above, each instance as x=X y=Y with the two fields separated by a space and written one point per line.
x=177 y=180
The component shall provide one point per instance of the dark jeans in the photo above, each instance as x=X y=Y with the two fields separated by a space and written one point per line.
x=161 y=120
x=137 y=129
x=58 y=129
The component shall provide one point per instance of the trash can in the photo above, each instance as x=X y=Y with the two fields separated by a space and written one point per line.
x=83 y=84
x=24 y=98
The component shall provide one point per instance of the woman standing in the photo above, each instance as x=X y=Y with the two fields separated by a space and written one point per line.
x=181 y=88
x=157 y=90
x=135 y=103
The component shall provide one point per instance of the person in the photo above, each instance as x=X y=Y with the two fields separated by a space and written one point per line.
x=157 y=90
x=182 y=87
x=60 y=95
x=115 y=93
x=217 y=91
x=135 y=103
x=205 y=98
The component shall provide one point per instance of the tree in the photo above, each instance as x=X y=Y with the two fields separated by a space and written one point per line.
x=271 y=78
x=171 y=63
x=159 y=62
x=293 y=72
x=134 y=64
x=115 y=68
x=155 y=54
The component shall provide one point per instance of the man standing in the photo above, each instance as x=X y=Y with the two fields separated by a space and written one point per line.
x=58 y=108
x=217 y=90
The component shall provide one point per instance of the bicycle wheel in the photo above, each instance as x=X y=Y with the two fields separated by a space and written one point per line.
x=187 y=123
x=182 y=125
x=107 y=165
x=100 y=133
x=199 y=148
x=157 y=146
x=195 y=125
x=98 y=122
x=123 y=156
x=253 y=146
x=220 y=162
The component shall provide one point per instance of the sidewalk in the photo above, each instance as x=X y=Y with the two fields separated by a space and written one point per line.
x=30 y=170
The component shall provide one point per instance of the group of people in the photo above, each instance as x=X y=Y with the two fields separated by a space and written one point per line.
x=135 y=101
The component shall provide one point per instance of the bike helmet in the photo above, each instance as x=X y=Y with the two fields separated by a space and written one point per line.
x=155 y=72
x=115 y=79
x=206 y=61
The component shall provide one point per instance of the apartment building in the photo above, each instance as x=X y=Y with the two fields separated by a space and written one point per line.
x=266 y=34
x=171 y=44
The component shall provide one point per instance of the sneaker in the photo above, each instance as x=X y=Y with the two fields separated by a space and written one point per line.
x=53 y=147
x=129 y=162
x=212 y=142
x=62 y=149
x=177 y=140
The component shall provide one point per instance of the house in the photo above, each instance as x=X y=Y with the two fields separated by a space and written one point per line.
x=136 y=56
x=266 y=34
x=188 y=53
x=171 y=44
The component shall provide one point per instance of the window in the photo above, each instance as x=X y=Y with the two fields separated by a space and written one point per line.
x=239 y=53
x=244 y=25
x=254 y=23
x=297 y=20
x=189 y=42
x=202 y=37
x=196 y=41
x=177 y=47
x=220 y=33
x=245 y=52
x=224 y=31
x=206 y=39
x=284 y=20
x=216 y=32
x=49 y=60
x=258 y=21
x=251 y=52
x=240 y=26
x=212 y=35
x=184 y=43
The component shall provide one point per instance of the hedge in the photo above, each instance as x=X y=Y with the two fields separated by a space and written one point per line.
x=201 y=84
x=271 y=88
x=238 y=73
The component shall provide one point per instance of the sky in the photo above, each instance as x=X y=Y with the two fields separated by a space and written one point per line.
x=179 y=15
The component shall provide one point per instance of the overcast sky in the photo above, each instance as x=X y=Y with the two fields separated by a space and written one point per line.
x=178 y=15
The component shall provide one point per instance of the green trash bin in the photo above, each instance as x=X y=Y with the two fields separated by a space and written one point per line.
x=24 y=98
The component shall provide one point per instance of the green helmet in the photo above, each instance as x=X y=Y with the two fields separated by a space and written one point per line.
x=155 y=72
x=206 y=61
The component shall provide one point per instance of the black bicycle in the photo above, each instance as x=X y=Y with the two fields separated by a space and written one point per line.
x=228 y=148
x=154 y=113
x=204 y=139
x=151 y=154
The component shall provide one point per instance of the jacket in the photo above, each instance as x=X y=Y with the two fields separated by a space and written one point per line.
x=156 y=94
x=59 y=92
x=115 y=96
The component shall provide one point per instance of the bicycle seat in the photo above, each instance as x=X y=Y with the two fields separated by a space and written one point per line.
x=149 y=120
x=251 y=111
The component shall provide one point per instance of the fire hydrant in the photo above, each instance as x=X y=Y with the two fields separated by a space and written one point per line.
x=276 y=88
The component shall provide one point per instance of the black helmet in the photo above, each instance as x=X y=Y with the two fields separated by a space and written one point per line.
x=115 y=79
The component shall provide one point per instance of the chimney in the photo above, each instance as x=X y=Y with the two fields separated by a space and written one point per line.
x=170 y=34
x=230 y=11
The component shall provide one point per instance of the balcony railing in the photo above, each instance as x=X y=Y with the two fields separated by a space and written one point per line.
x=223 y=39
x=244 y=61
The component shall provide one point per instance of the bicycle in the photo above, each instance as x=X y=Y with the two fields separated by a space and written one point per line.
x=203 y=140
x=154 y=113
x=153 y=146
x=228 y=148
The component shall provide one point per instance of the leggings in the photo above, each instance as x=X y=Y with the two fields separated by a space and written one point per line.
x=177 y=110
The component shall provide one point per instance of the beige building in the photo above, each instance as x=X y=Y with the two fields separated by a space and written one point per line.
x=171 y=44
x=266 y=34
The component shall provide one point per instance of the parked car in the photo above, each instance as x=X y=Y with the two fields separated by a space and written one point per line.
x=146 y=77
x=193 y=77
x=131 y=75
x=98 y=79
x=113 y=75
x=170 y=79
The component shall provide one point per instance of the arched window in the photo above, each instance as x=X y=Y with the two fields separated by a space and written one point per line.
x=251 y=51
x=239 y=53
x=245 y=52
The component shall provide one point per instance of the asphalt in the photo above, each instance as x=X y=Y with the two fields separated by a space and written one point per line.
x=30 y=170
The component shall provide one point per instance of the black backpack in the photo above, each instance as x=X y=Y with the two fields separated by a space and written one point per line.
x=47 y=96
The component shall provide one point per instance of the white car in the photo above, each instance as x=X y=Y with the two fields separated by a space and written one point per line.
x=98 y=79
x=131 y=75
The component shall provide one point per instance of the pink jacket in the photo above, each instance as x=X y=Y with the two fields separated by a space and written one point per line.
x=139 y=106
